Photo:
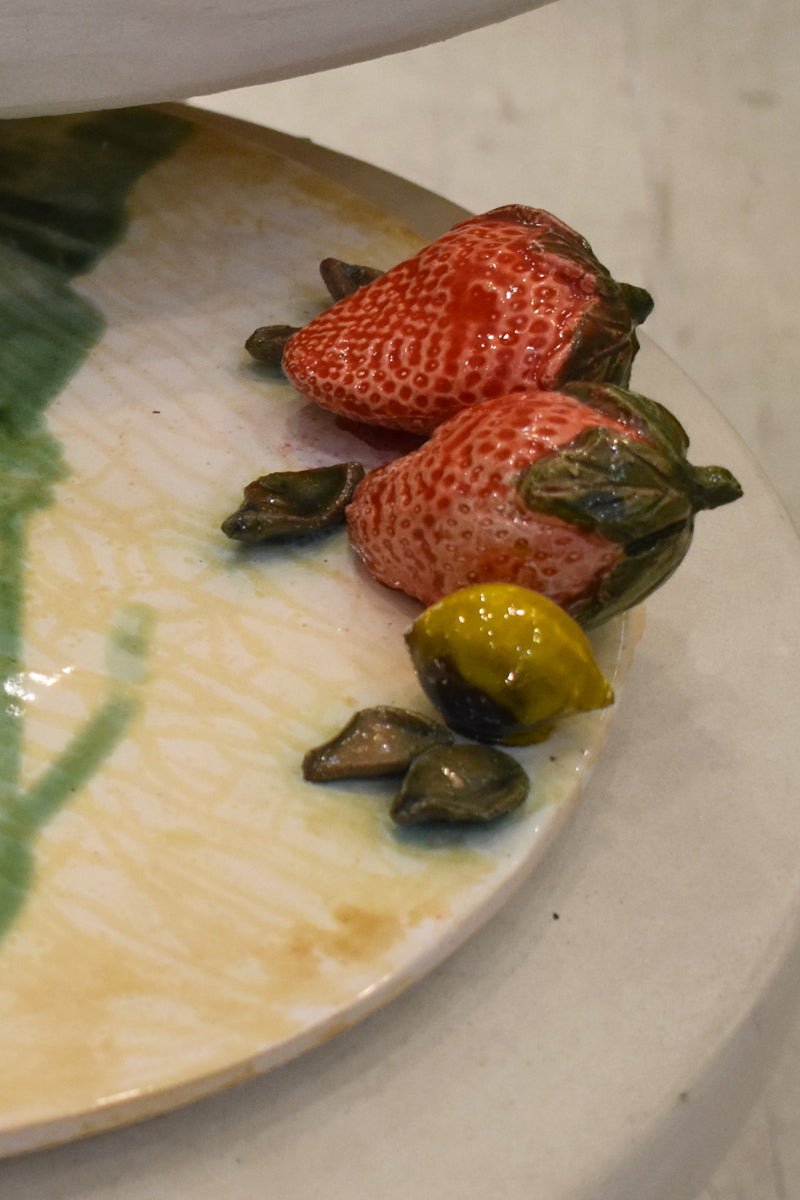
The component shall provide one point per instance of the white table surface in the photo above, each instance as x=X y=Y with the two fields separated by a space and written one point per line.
x=667 y=134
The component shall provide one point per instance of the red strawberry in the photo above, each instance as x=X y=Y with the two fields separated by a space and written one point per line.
x=584 y=495
x=508 y=300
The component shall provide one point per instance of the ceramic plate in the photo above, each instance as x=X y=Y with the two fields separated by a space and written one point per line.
x=180 y=910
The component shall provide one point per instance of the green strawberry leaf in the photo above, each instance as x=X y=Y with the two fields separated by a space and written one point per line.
x=636 y=576
x=606 y=483
x=604 y=344
x=646 y=417
x=640 y=496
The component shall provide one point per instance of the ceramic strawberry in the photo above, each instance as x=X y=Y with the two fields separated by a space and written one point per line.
x=508 y=300
x=584 y=495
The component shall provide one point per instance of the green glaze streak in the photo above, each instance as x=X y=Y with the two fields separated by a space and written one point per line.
x=20 y=821
x=11 y=546
x=74 y=766
x=64 y=183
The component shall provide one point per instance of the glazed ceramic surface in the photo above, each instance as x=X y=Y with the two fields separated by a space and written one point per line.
x=98 y=53
x=602 y=1035
x=178 y=908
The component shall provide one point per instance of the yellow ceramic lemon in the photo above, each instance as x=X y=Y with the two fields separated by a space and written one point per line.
x=502 y=663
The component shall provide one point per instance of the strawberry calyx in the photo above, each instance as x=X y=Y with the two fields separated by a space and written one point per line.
x=604 y=343
x=714 y=486
x=639 y=301
x=638 y=573
x=646 y=418
x=267 y=343
x=641 y=495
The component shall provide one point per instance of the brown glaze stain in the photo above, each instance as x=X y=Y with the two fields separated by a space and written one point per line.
x=359 y=935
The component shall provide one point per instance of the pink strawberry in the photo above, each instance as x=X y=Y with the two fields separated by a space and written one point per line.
x=584 y=495
x=508 y=300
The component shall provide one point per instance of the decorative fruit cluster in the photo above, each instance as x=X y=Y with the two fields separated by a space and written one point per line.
x=509 y=346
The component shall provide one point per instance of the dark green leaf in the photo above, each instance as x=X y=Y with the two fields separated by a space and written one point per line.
x=287 y=503
x=267 y=343
x=606 y=483
x=460 y=783
x=644 y=416
x=375 y=741
x=636 y=576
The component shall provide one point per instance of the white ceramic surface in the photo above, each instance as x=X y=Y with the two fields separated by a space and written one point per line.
x=197 y=912
x=89 y=54
x=603 y=1054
